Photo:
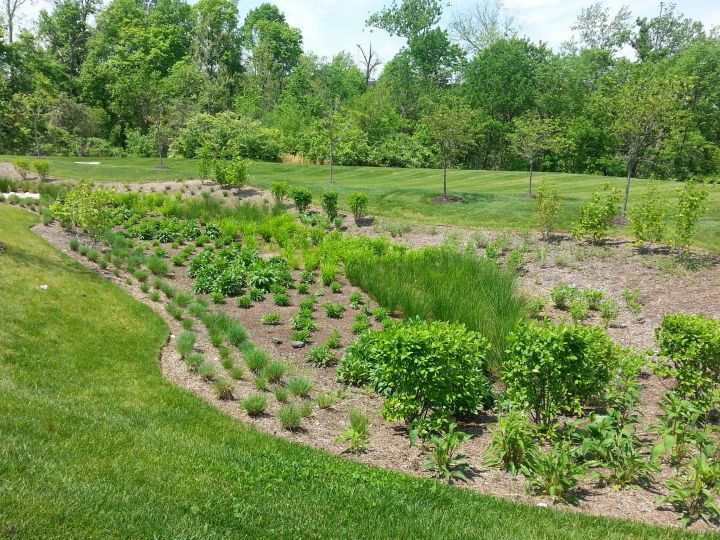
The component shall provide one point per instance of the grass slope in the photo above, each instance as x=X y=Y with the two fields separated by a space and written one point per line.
x=492 y=199
x=96 y=444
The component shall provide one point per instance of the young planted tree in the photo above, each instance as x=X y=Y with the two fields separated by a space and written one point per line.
x=646 y=109
x=548 y=208
x=533 y=137
x=449 y=128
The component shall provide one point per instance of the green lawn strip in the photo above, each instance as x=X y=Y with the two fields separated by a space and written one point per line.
x=492 y=199
x=96 y=444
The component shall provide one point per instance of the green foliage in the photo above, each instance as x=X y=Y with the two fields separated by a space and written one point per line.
x=535 y=307
x=548 y=208
x=356 y=435
x=563 y=295
x=186 y=342
x=355 y=367
x=326 y=401
x=207 y=371
x=223 y=389
x=690 y=208
x=444 y=459
x=279 y=191
x=255 y=359
x=322 y=356
x=272 y=319
x=87 y=208
x=22 y=166
x=42 y=167
x=302 y=197
x=648 y=218
x=690 y=344
x=328 y=272
x=678 y=427
x=579 y=310
x=553 y=368
x=299 y=386
x=334 y=311
x=358 y=203
x=610 y=441
x=596 y=216
x=425 y=369
x=554 y=473
x=333 y=341
x=281 y=299
x=441 y=284
x=632 y=300
x=609 y=311
x=694 y=493
x=274 y=371
x=512 y=441
x=255 y=405
x=157 y=265
x=290 y=417
x=330 y=204
x=244 y=301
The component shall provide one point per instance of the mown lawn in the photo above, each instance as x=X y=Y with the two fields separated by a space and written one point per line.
x=492 y=199
x=96 y=444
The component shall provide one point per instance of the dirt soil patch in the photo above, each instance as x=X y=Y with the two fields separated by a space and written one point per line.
x=446 y=199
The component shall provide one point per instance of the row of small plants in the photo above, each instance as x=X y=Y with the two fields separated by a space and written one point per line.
x=655 y=219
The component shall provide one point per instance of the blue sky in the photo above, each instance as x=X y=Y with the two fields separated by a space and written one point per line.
x=330 y=26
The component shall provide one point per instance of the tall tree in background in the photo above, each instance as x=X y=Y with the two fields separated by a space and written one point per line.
x=665 y=35
x=600 y=30
x=11 y=8
x=482 y=25
x=533 y=137
x=370 y=62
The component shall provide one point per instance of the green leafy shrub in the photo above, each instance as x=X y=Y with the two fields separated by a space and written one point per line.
x=553 y=368
x=290 y=417
x=535 y=307
x=355 y=367
x=563 y=295
x=244 y=301
x=281 y=299
x=596 y=216
x=690 y=208
x=279 y=191
x=593 y=297
x=690 y=345
x=272 y=319
x=548 y=208
x=648 y=217
x=632 y=301
x=322 y=356
x=694 y=493
x=512 y=441
x=330 y=204
x=609 y=311
x=356 y=300
x=334 y=311
x=22 y=166
x=302 y=197
x=579 y=310
x=333 y=341
x=428 y=369
x=335 y=287
x=358 y=203
x=302 y=335
x=303 y=288
x=255 y=405
x=554 y=473
x=356 y=435
x=42 y=167
x=444 y=459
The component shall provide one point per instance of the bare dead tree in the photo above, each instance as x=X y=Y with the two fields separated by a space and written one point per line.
x=11 y=8
x=370 y=62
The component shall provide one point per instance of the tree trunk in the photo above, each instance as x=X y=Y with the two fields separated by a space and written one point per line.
x=530 y=180
x=445 y=178
x=331 y=159
x=627 y=187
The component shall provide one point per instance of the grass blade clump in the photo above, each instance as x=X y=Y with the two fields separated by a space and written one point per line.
x=442 y=284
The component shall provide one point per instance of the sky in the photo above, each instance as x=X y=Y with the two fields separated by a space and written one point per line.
x=331 y=26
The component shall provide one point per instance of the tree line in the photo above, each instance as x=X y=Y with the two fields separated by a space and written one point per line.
x=626 y=96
